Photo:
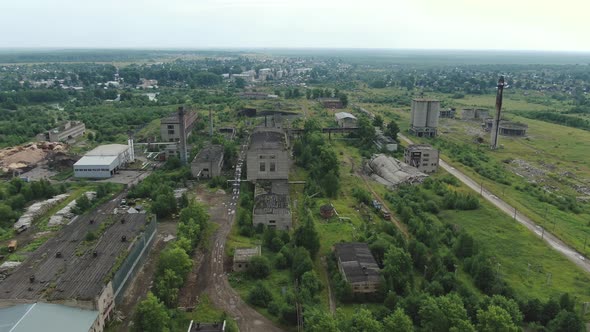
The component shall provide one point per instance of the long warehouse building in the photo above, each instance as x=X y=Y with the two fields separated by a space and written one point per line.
x=104 y=161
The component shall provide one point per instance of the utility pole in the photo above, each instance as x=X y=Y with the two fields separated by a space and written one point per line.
x=496 y=123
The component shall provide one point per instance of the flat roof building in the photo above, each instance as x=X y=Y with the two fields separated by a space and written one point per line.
x=208 y=162
x=242 y=257
x=64 y=132
x=104 y=161
x=46 y=317
x=422 y=156
x=358 y=267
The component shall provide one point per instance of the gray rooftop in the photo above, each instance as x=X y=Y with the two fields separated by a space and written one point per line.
x=267 y=139
x=357 y=262
x=46 y=317
x=77 y=274
x=210 y=153
x=271 y=204
x=420 y=147
x=244 y=254
x=344 y=115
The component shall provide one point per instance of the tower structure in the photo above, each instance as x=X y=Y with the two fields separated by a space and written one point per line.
x=497 y=117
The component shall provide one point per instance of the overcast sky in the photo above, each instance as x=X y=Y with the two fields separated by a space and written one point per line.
x=557 y=25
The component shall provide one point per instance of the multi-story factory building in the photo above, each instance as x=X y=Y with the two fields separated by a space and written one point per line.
x=422 y=156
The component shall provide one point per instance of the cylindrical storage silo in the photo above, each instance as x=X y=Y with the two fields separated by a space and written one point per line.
x=433 y=113
x=420 y=112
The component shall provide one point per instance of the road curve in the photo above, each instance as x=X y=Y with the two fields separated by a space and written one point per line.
x=218 y=288
x=570 y=253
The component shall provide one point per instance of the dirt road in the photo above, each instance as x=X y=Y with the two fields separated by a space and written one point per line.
x=570 y=253
x=218 y=288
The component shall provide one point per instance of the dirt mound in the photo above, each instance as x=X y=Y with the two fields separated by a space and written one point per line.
x=27 y=155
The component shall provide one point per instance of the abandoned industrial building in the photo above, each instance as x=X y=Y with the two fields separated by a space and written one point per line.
x=424 y=118
x=271 y=204
x=358 y=267
x=422 y=156
x=208 y=162
x=77 y=270
x=391 y=172
x=104 y=161
x=449 y=113
x=346 y=120
x=268 y=155
x=507 y=128
x=172 y=131
x=64 y=132
x=331 y=103
x=242 y=257
x=474 y=114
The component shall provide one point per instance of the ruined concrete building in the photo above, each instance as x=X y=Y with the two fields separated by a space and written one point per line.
x=474 y=114
x=358 y=266
x=268 y=155
x=208 y=162
x=271 y=204
x=422 y=156
x=64 y=132
x=392 y=173
x=507 y=128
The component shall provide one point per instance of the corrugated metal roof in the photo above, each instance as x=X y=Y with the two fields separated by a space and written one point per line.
x=344 y=115
x=46 y=317
x=95 y=161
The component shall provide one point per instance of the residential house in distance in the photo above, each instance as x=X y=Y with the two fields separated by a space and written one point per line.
x=358 y=267
x=242 y=257
x=208 y=162
x=64 y=132
x=422 y=156
x=346 y=120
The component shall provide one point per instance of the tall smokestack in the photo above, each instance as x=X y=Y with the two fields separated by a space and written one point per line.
x=496 y=123
x=210 y=123
x=182 y=125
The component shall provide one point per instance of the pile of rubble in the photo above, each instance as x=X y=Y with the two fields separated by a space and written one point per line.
x=66 y=213
x=36 y=210
x=26 y=156
x=391 y=172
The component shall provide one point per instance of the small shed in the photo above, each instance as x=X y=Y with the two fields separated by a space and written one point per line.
x=242 y=257
x=346 y=120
